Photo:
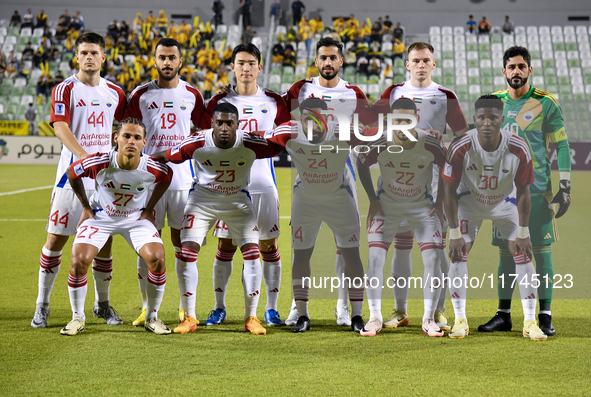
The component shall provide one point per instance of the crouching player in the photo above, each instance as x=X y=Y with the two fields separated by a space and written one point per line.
x=404 y=194
x=121 y=204
x=482 y=168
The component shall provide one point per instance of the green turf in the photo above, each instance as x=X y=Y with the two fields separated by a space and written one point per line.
x=224 y=360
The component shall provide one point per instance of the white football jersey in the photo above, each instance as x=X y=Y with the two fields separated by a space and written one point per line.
x=167 y=114
x=89 y=112
x=120 y=193
x=258 y=112
x=221 y=173
x=436 y=105
x=488 y=176
x=406 y=176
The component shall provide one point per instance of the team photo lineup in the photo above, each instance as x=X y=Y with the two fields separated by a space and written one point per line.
x=165 y=156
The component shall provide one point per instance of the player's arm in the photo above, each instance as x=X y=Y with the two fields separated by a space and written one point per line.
x=159 y=190
x=366 y=181
x=450 y=200
x=63 y=132
x=523 y=241
x=78 y=188
x=555 y=122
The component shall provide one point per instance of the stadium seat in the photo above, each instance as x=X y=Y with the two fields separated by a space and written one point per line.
x=31 y=90
x=560 y=54
x=274 y=79
x=538 y=81
x=496 y=38
x=461 y=63
x=550 y=80
x=288 y=70
x=20 y=82
x=434 y=30
x=460 y=55
x=499 y=82
x=449 y=81
x=460 y=47
x=558 y=47
x=26 y=32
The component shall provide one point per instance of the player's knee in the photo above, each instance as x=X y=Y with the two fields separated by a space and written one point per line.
x=80 y=263
x=55 y=242
x=156 y=262
x=268 y=245
x=226 y=244
x=404 y=234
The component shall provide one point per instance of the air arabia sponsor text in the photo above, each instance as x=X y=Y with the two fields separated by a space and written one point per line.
x=88 y=140
x=165 y=141
x=115 y=213
x=225 y=189
x=402 y=192
x=312 y=177
x=488 y=199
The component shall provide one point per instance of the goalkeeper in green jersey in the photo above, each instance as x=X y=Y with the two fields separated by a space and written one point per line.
x=535 y=116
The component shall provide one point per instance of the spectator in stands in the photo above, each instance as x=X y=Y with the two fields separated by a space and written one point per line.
x=276 y=12
x=41 y=19
x=28 y=52
x=62 y=29
x=16 y=19
x=150 y=18
x=67 y=17
x=222 y=73
x=297 y=10
x=78 y=22
x=362 y=64
x=138 y=24
x=227 y=55
x=388 y=26
x=124 y=29
x=289 y=58
x=374 y=50
x=352 y=23
x=398 y=49
x=508 y=26
x=257 y=41
x=31 y=115
x=471 y=25
x=246 y=9
x=291 y=34
x=172 y=31
x=317 y=25
x=364 y=33
x=374 y=67
x=28 y=19
x=218 y=8
x=350 y=58
x=58 y=77
x=247 y=35
x=162 y=22
x=3 y=63
x=54 y=53
x=184 y=33
x=312 y=70
x=47 y=34
x=44 y=85
x=339 y=25
x=305 y=34
x=484 y=26
x=376 y=32
x=113 y=30
x=398 y=32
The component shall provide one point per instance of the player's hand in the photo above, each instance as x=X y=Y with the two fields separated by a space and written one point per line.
x=524 y=246
x=149 y=215
x=457 y=247
x=225 y=89
x=374 y=208
x=436 y=134
x=87 y=213
x=438 y=210
x=562 y=199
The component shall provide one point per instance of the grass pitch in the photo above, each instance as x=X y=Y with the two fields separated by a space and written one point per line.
x=327 y=360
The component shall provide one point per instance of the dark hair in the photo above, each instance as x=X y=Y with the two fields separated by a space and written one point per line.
x=329 y=42
x=167 y=42
x=90 y=38
x=516 y=51
x=403 y=104
x=225 y=107
x=470 y=16
x=420 y=45
x=131 y=120
x=313 y=103
x=249 y=48
x=489 y=101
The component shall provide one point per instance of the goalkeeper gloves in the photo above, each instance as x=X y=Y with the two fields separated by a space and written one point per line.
x=562 y=198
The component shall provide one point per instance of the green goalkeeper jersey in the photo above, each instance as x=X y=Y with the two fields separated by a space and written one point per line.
x=537 y=118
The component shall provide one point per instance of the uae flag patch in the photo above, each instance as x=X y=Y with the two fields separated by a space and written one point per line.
x=247 y=111
x=488 y=168
x=225 y=163
x=168 y=104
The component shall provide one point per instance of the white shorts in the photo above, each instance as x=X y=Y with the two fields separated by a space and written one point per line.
x=64 y=212
x=239 y=217
x=137 y=232
x=427 y=229
x=172 y=205
x=405 y=226
x=504 y=216
x=340 y=214
x=266 y=208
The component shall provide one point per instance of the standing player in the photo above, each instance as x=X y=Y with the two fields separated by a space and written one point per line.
x=122 y=204
x=166 y=106
x=535 y=116
x=436 y=107
x=322 y=193
x=482 y=168
x=82 y=111
x=347 y=99
x=223 y=159
x=404 y=194
x=258 y=110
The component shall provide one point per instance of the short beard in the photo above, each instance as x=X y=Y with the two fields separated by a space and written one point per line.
x=164 y=77
x=328 y=77
x=517 y=86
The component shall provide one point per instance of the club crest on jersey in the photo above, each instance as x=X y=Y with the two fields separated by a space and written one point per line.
x=342 y=99
x=141 y=187
x=125 y=186
x=433 y=101
x=505 y=169
x=95 y=102
x=264 y=109
x=183 y=106
x=421 y=166
x=528 y=116
x=247 y=111
x=78 y=170
x=447 y=170
x=109 y=103
x=512 y=114
x=168 y=104
x=240 y=162
x=60 y=109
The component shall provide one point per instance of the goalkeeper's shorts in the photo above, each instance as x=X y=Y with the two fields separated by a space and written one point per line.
x=542 y=226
